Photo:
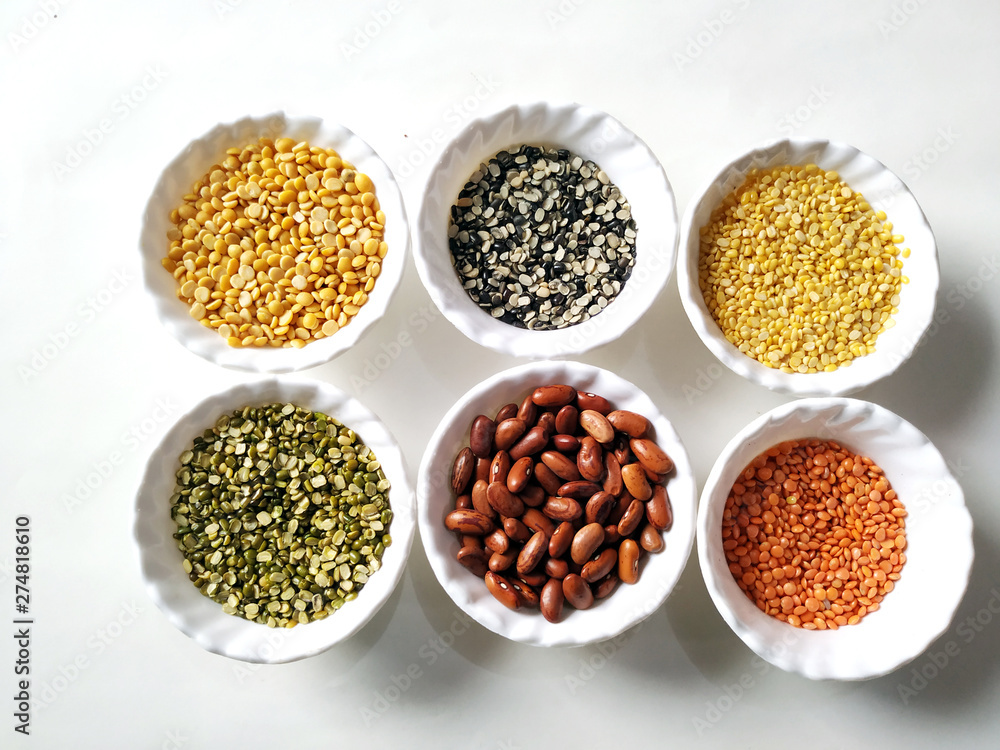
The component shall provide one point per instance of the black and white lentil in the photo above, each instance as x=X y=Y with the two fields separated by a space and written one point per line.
x=541 y=238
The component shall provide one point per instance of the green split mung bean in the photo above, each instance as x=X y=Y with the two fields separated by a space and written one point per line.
x=282 y=514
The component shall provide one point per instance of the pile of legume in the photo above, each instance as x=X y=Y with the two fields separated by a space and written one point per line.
x=282 y=514
x=814 y=534
x=798 y=271
x=277 y=246
x=558 y=499
x=541 y=238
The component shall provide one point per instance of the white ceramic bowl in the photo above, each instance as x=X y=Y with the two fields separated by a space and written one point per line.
x=932 y=582
x=883 y=190
x=628 y=604
x=191 y=165
x=160 y=560
x=591 y=134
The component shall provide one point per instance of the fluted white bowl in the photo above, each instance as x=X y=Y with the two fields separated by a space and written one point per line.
x=883 y=190
x=160 y=560
x=628 y=605
x=191 y=165
x=588 y=133
x=932 y=582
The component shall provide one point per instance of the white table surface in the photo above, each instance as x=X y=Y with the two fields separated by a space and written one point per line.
x=913 y=83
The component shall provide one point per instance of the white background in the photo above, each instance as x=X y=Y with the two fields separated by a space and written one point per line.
x=913 y=83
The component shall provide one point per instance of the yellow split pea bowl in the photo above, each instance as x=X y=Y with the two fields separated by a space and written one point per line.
x=231 y=277
x=797 y=286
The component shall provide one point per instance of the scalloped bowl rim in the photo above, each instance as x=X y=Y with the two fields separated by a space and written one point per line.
x=160 y=560
x=628 y=605
x=623 y=155
x=918 y=299
x=877 y=645
x=173 y=313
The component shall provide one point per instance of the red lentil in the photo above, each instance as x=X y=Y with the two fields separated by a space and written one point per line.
x=814 y=534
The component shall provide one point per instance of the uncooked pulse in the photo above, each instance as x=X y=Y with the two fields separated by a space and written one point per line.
x=282 y=514
x=814 y=534
x=279 y=245
x=558 y=498
x=798 y=271
x=541 y=238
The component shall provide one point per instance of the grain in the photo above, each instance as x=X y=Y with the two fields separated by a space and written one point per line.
x=814 y=534
x=798 y=271
x=278 y=245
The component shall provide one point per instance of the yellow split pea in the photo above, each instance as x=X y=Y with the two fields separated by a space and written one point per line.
x=278 y=245
x=798 y=270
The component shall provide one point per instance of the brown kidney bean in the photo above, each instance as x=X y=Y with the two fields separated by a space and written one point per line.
x=551 y=600
x=577 y=591
x=508 y=433
x=561 y=465
x=461 y=472
x=536 y=580
x=479 y=500
x=597 y=426
x=536 y=520
x=482 y=469
x=500 y=467
x=500 y=561
x=501 y=590
x=547 y=478
x=527 y=411
x=632 y=424
x=532 y=553
x=604 y=587
x=516 y=530
x=600 y=565
x=562 y=508
x=519 y=474
x=533 y=441
x=579 y=490
x=475 y=559
x=619 y=508
x=561 y=539
x=481 y=436
x=633 y=516
x=503 y=500
x=531 y=470
x=507 y=411
x=658 y=511
x=547 y=421
x=650 y=538
x=527 y=595
x=628 y=561
x=566 y=443
x=556 y=568
x=553 y=396
x=624 y=454
x=497 y=541
x=613 y=476
x=467 y=521
x=533 y=496
x=566 y=419
x=611 y=535
x=586 y=542
x=652 y=476
x=636 y=483
x=652 y=456
x=590 y=460
x=593 y=402
x=598 y=507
